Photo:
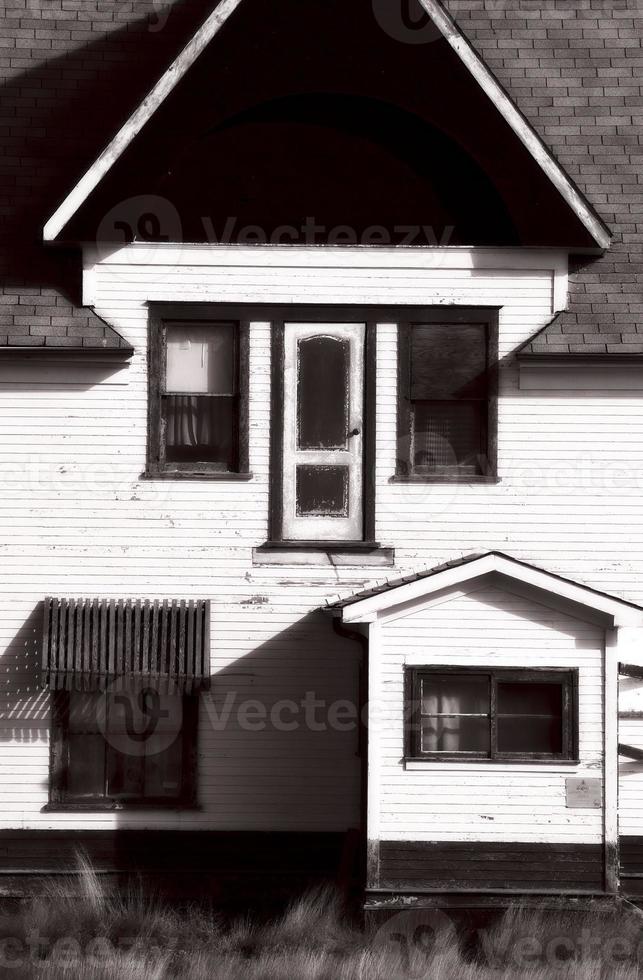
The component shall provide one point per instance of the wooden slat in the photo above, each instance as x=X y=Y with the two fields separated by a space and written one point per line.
x=630 y=670
x=88 y=641
x=111 y=639
x=46 y=634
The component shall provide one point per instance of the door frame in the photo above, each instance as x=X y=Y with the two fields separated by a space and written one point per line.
x=321 y=315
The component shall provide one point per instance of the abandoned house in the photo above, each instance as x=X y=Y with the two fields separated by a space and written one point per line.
x=321 y=424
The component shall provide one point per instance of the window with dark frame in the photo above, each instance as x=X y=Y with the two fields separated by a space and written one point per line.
x=499 y=714
x=198 y=400
x=446 y=417
x=106 y=753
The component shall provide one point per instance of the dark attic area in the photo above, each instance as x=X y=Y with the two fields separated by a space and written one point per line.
x=308 y=123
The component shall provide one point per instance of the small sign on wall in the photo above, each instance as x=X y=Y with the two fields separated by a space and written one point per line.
x=584 y=792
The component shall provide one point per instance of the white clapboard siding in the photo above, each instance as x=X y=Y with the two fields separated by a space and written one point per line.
x=77 y=519
x=487 y=627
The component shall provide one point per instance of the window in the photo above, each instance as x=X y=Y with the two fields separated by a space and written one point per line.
x=127 y=748
x=446 y=424
x=198 y=422
x=456 y=713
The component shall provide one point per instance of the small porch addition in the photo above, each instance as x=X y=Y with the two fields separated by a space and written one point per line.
x=493 y=731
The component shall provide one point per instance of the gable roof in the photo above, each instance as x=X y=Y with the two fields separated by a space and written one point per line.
x=571 y=335
x=365 y=606
x=78 y=330
x=588 y=217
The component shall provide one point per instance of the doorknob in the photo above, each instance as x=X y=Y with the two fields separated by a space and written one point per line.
x=354 y=432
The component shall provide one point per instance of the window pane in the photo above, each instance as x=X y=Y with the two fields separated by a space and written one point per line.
x=448 y=434
x=163 y=766
x=530 y=734
x=86 y=711
x=448 y=361
x=455 y=694
x=125 y=775
x=322 y=491
x=200 y=429
x=440 y=734
x=526 y=698
x=86 y=770
x=201 y=358
x=322 y=392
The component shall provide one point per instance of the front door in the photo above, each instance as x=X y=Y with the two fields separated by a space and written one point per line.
x=323 y=431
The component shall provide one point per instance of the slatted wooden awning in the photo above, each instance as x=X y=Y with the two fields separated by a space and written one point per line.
x=93 y=644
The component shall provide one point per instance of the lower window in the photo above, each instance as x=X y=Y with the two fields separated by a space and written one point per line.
x=123 y=748
x=461 y=713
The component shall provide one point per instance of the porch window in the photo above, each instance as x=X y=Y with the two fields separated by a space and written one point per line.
x=198 y=398
x=456 y=713
x=446 y=406
x=122 y=748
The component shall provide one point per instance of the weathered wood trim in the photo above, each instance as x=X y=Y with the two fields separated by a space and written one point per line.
x=518 y=123
x=616 y=611
x=414 y=865
x=403 y=468
x=611 y=753
x=370 y=431
x=117 y=146
x=277 y=355
x=58 y=746
x=374 y=763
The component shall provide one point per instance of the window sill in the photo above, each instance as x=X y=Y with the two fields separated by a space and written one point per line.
x=195 y=475
x=446 y=478
x=117 y=807
x=333 y=553
x=428 y=763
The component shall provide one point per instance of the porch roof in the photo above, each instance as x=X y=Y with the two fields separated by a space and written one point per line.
x=364 y=606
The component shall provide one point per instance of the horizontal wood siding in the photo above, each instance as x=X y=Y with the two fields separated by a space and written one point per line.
x=78 y=518
x=126 y=850
x=483 y=801
x=410 y=865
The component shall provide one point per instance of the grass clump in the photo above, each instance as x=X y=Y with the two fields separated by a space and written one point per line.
x=97 y=934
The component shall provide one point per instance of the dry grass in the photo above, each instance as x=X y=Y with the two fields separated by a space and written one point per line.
x=134 y=937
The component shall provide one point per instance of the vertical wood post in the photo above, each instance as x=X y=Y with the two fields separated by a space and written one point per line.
x=374 y=735
x=610 y=791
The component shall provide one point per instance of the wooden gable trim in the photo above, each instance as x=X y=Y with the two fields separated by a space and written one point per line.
x=141 y=115
x=454 y=37
x=518 y=123
x=369 y=609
